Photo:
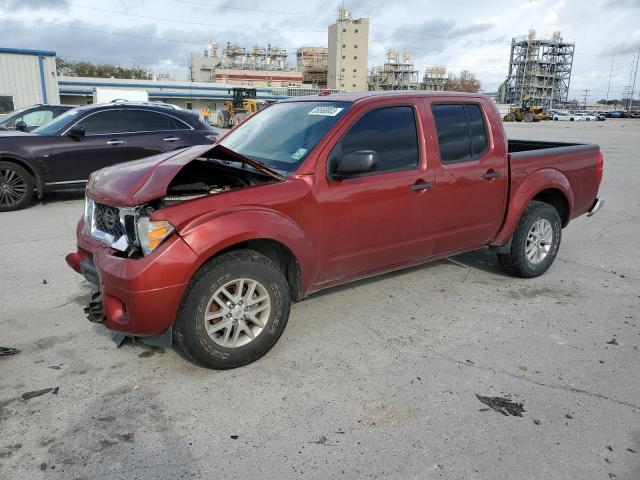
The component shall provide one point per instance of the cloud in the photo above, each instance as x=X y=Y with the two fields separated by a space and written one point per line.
x=31 y=5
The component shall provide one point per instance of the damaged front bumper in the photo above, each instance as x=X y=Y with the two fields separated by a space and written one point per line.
x=134 y=297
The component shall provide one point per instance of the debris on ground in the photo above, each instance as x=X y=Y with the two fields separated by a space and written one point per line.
x=502 y=405
x=569 y=416
x=235 y=437
x=536 y=421
x=323 y=440
x=8 y=351
x=613 y=341
x=631 y=450
x=610 y=448
x=37 y=393
x=44 y=281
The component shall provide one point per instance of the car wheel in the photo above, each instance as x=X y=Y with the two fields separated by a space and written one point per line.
x=234 y=310
x=535 y=242
x=16 y=187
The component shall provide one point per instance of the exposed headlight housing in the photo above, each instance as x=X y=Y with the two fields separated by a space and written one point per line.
x=151 y=234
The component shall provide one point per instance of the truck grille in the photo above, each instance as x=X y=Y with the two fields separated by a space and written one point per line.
x=107 y=219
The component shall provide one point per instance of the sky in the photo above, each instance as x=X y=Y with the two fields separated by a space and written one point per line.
x=466 y=34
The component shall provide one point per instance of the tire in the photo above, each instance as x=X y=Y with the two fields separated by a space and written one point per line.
x=16 y=187
x=556 y=118
x=210 y=350
x=517 y=262
x=224 y=119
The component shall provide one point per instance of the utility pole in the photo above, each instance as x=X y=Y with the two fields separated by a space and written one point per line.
x=634 y=69
x=584 y=103
x=610 y=74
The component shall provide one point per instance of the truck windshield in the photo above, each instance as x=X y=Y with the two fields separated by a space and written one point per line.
x=57 y=123
x=284 y=134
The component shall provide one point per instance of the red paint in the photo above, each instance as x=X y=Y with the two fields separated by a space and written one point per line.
x=337 y=230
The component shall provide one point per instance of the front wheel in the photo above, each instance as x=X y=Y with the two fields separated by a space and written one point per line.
x=535 y=243
x=233 y=312
x=16 y=187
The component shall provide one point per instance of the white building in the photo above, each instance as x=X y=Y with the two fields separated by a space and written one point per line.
x=27 y=77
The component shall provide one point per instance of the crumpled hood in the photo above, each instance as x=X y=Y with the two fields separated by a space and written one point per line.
x=133 y=183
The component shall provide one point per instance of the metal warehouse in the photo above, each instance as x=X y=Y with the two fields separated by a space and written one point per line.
x=27 y=77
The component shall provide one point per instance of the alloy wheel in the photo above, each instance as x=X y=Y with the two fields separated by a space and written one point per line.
x=13 y=187
x=237 y=312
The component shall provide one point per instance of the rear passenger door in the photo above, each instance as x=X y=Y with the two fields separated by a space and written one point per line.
x=470 y=187
x=148 y=132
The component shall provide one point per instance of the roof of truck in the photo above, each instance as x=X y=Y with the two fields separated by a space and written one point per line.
x=354 y=97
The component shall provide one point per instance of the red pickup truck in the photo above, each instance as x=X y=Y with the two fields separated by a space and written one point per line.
x=206 y=247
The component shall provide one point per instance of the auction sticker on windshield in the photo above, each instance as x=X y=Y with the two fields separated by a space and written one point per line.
x=326 y=111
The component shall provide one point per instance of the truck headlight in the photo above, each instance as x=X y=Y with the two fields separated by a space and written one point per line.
x=152 y=233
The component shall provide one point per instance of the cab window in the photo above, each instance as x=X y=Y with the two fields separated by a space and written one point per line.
x=390 y=132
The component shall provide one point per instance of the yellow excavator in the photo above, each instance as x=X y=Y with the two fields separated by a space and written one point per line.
x=244 y=102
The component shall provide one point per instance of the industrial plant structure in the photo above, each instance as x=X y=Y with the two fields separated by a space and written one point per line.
x=314 y=63
x=435 y=78
x=348 y=52
x=539 y=71
x=258 y=66
x=395 y=74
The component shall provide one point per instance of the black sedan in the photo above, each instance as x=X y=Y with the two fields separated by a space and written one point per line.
x=61 y=154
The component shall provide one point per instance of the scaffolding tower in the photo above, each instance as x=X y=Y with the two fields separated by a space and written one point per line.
x=539 y=71
x=314 y=64
x=395 y=74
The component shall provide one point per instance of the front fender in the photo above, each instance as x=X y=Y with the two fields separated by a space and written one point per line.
x=523 y=193
x=213 y=233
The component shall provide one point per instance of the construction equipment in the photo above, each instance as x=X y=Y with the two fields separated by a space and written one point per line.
x=528 y=113
x=244 y=103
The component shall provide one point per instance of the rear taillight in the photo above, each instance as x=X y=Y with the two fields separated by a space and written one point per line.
x=599 y=167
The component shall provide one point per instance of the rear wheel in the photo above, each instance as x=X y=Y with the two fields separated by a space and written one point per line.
x=16 y=187
x=234 y=311
x=528 y=117
x=535 y=242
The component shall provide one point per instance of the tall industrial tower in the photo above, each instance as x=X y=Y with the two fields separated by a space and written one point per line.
x=539 y=71
x=348 y=52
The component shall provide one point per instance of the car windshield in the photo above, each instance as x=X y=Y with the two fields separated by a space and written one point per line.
x=7 y=117
x=57 y=123
x=284 y=134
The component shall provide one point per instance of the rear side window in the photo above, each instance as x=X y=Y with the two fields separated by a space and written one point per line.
x=148 y=121
x=390 y=132
x=477 y=130
x=462 y=134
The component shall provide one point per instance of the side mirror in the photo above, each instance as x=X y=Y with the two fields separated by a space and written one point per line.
x=21 y=126
x=76 y=131
x=354 y=163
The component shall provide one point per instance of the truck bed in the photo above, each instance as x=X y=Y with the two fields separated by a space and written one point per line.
x=522 y=148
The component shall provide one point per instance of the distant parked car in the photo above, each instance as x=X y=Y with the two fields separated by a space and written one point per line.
x=30 y=118
x=588 y=117
x=61 y=154
x=564 y=116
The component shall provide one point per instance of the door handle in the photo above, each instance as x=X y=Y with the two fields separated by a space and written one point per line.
x=416 y=187
x=115 y=142
x=170 y=139
x=491 y=174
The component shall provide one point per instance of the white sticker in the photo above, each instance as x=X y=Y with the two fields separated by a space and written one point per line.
x=326 y=111
x=299 y=153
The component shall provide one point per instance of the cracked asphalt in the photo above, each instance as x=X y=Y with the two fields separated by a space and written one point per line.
x=376 y=379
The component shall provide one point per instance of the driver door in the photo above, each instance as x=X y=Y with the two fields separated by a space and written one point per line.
x=103 y=144
x=376 y=220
